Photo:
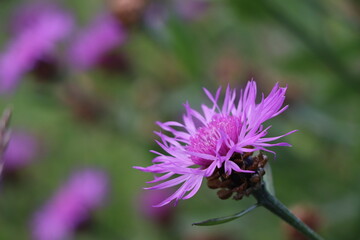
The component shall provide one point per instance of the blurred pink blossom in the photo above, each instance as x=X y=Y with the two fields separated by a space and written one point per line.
x=35 y=36
x=21 y=151
x=102 y=36
x=71 y=205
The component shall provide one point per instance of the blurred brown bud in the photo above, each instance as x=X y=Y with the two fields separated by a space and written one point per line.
x=309 y=215
x=127 y=11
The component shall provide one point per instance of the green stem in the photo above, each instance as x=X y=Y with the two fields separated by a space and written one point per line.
x=275 y=206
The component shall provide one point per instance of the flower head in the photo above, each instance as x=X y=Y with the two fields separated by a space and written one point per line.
x=71 y=205
x=208 y=141
x=44 y=28
x=103 y=35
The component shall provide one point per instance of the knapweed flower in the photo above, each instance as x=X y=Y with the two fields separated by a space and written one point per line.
x=92 y=44
x=71 y=205
x=218 y=142
x=32 y=42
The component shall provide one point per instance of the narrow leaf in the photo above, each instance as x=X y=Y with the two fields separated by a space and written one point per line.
x=221 y=220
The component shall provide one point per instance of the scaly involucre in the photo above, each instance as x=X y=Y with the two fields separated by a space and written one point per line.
x=206 y=141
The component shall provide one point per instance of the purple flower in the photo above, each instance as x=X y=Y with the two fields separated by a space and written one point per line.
x=21 y=150
x=102 y=36
x=207 y=141
x=71 y=205
x=30 y=14
x=36 y=36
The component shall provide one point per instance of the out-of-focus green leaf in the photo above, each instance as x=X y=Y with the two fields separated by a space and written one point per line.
x=184 y=46
x=249 y=10
x=221 y=220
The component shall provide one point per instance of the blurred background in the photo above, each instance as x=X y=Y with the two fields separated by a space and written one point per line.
x=88 y=79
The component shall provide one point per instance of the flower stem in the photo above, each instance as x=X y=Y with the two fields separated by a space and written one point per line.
x=275 y=206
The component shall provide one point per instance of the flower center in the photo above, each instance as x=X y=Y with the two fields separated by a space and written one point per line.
x=206 y=139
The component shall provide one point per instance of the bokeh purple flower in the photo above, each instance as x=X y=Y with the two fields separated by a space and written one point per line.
x=71 y=205
x=36 y=35
x=101 y=37
x=21 y=151
x=207 y=141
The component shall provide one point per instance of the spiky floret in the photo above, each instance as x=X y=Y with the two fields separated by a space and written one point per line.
x=206 y=141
